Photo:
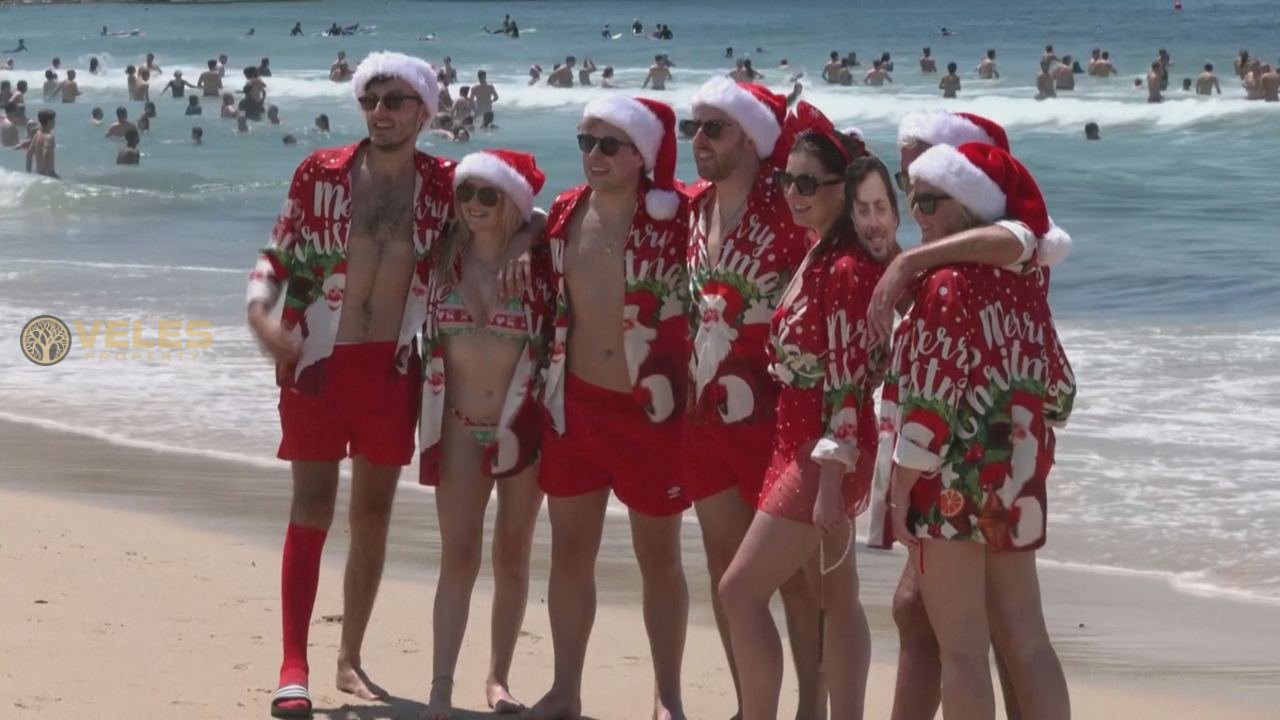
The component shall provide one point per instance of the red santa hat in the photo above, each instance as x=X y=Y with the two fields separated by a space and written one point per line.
x=757 y=110
x=651 y=125
x=993 y=185
x=804 y=120
x=515 y=173
x=942 y=127
x=420 y=75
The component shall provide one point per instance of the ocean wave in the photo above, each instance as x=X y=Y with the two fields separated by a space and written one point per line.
x=102 y=190
x=127 y=266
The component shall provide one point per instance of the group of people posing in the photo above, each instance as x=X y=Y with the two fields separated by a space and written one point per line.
x=717 y=345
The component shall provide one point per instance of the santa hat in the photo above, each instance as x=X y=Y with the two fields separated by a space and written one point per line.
x=804 y=120
x=856 y=135
x=515 y=173
x=941 y=127
x=651 y=125
x=992 y=184
x=758 y=111
x=420 y=75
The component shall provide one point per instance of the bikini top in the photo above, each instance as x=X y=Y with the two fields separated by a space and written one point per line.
x=508 y=321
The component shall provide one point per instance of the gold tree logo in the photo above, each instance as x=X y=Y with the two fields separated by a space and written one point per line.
x=46 y=340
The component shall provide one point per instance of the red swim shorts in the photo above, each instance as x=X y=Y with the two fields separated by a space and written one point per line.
x=611 y=443
x=718 y=457
x=365 y=407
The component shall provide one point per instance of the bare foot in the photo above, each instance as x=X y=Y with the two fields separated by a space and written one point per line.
x=556 y=705
x=353 y=680
x=440 y=705
x=660 y=712
x=500 y=700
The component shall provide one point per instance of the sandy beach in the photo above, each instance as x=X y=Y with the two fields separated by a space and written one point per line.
x=139 y=583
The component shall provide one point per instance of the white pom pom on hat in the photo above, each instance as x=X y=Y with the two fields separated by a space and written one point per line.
x=651 y=125
x=419 y=73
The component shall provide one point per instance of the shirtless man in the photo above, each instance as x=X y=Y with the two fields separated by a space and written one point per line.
x=464 y=111
x=1153 y=84
x=151 y=65
x=927 y=63
x=10 y=128
x=1103 y=67
x=1252 y=80
x=877 y=75
x=357 y=231
x=845 y=77
x=129 y=154
x=484 y=96
x=142 y=86
x=70 y=89
x=742 y=244
x=1270 y=84
x=584 y=72
x=121 y=125
x=1045 y=87
x=987 y=68
x=449 y=71
x=950 y=84
x=1064 y=77
x=614 y=387
x=340 y=70
x=1049 y=56
x=40 y=151
x=178 y=86
x=1207 y=82
x=658 y=75
x=1095 y=56
x=222 y=64
x=831 y=71
x=255 y=94
x=562 y=77
x=210 y=82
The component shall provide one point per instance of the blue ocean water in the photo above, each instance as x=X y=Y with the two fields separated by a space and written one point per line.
x=1170 y=303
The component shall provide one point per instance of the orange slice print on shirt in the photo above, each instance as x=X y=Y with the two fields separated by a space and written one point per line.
x=951 y=503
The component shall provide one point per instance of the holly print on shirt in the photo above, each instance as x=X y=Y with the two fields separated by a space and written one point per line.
x=981 y=381
x=734 y=296
x=654 y=314
x=307 y=254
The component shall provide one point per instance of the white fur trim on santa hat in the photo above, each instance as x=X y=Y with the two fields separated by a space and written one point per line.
x=490 y=168
x=939 y=127
x=633 y=118
x=756 y=120
x=946 y=169
x=1054 y=247
x=662 y=204
x=420 y=75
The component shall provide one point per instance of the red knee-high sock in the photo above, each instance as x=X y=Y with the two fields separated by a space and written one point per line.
x=299 y=579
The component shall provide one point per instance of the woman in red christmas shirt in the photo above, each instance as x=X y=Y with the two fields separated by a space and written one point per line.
x=981 y=380
x=824 y=448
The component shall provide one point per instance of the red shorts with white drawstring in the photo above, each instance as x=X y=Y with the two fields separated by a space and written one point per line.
x=364 y=407
x=609 y=442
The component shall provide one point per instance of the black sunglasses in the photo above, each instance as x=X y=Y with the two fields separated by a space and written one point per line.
x=903 y=179
x=608 y=146
x=927 y=202
x=806 y=185
x=488 y=196
x=710 y=128
x=392 y=102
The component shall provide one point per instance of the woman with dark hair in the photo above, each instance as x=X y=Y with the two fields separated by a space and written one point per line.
x=820 y=473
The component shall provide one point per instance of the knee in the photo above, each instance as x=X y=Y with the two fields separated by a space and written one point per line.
x=312 y=510
x=967 y=657
x=369 y=521
x=914 y=630
x=737 y=594
x=460 y=556
x=511 y=559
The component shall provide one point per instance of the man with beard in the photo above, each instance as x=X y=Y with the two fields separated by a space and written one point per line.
x=355 y=233
x=743 y=250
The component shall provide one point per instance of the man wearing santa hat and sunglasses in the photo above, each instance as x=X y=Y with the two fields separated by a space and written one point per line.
x=744 y=248
x=614 y=385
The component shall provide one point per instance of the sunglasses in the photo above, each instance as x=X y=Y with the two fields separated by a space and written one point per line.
x=902 y=179
x=608 y=146
x=927 y=203
x=806 y=185
x=392 y=102
x=487 y=196
x=711 y=128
